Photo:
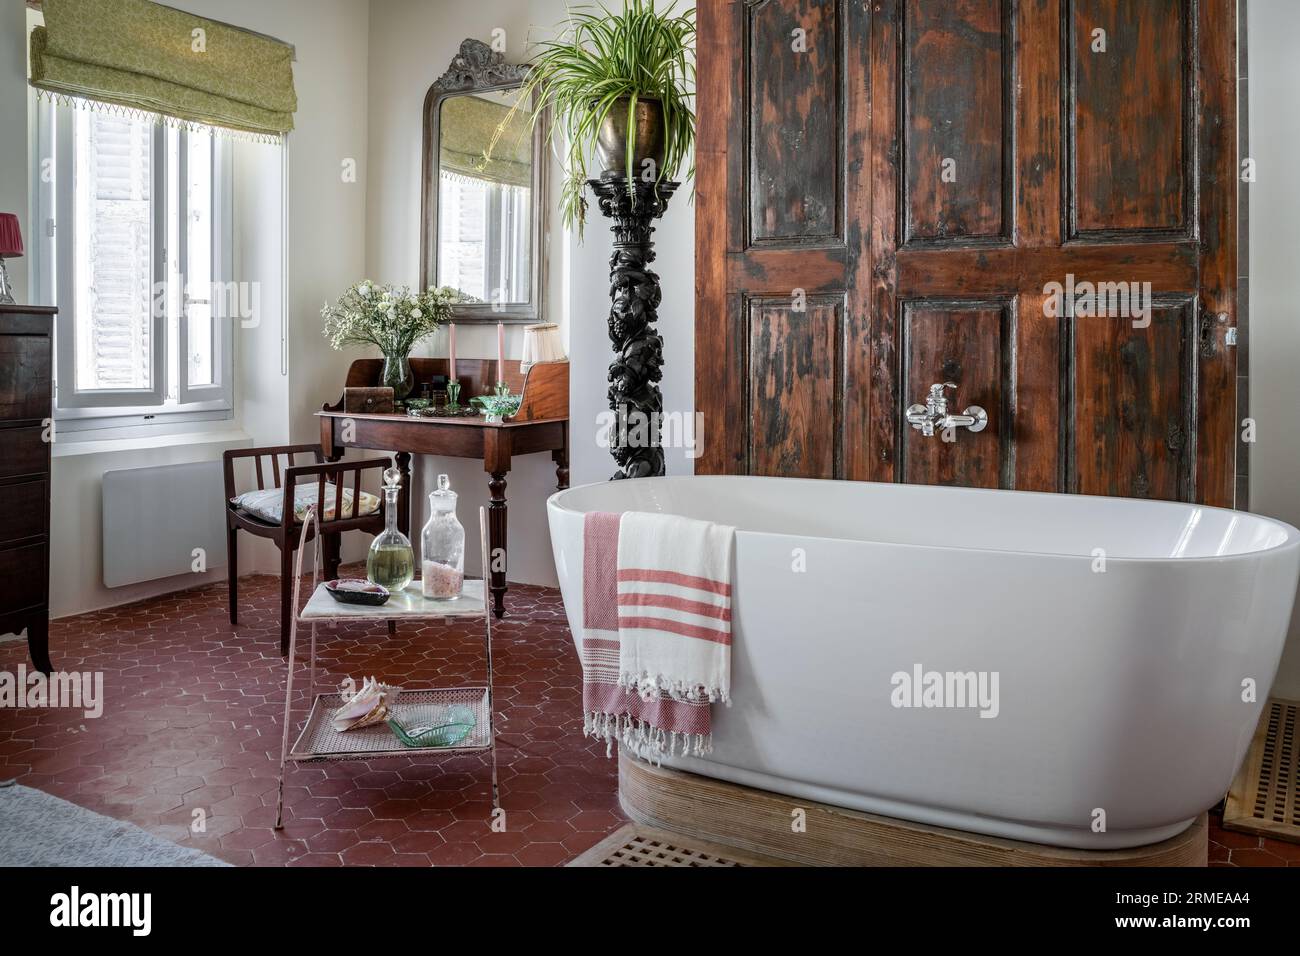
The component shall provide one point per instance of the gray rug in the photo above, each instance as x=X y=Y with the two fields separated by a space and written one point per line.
x=37 y=829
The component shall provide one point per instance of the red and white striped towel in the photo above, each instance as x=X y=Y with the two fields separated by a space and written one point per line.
x=674 y=607
x=649 y=722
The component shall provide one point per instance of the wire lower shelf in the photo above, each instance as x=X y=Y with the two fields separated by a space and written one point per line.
x=319 y=741
x=422 y=713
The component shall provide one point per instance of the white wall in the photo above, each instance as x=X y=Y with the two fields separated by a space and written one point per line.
x=325 y=251
x=325 y=240
x=1273 y=82
x=361 y=73
x=411 y=43
x=326 y=215
x=76 y=519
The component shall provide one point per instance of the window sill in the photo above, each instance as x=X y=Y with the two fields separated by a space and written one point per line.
x=69 y=447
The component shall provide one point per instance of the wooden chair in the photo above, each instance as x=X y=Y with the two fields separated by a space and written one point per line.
x=287 y=534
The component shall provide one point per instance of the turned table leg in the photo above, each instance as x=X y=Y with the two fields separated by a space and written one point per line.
x=561 y=458
x=497 y=541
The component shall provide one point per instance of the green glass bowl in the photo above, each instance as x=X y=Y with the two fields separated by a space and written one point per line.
x=459 y=724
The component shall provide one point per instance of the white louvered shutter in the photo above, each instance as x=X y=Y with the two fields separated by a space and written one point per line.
x=118 y=344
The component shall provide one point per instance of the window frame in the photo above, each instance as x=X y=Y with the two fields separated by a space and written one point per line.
x=53 y=263
x=222 y=266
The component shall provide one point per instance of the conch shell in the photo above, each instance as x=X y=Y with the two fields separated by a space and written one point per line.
x=364 y=707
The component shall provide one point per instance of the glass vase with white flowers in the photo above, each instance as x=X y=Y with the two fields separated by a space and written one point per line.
x=391 y=318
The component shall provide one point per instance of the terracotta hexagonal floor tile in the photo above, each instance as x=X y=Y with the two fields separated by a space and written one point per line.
x=192 y=722
x=543 y=854
x=368 y=854
x=1285 y=851
x=332 y=841
x=247 y=838
x=421 y=842
x=1256 y=858
x=454 y=854
x=382 y=830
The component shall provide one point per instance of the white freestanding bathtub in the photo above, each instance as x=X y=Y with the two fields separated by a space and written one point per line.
x=1125 y=637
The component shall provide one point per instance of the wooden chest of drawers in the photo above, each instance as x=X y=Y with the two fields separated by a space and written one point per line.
x=26 y=426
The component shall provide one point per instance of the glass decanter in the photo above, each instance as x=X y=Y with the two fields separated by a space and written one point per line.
x=391 y=563
x=442 y=546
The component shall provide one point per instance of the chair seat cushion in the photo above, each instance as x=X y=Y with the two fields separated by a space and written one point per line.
x=268 y=504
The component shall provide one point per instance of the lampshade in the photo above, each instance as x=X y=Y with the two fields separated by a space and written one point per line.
x=11 y=239
x=541 y=344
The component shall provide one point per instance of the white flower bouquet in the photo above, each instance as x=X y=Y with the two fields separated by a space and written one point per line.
x=391 y=318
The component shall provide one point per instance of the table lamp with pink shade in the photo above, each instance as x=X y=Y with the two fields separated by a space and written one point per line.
x=11 y=247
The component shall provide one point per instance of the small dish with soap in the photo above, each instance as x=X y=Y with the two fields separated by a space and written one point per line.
x=358 y=591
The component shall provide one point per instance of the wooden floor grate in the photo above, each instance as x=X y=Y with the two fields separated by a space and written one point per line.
x=1265 y=797
x=635 y=845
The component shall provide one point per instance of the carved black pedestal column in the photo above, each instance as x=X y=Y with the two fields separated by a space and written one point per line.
x=634 y=375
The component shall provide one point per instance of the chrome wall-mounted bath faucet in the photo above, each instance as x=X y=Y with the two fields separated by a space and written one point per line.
x=933 y=415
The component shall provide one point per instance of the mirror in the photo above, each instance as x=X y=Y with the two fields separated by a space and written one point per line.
x=484 y=206
x=483 y=228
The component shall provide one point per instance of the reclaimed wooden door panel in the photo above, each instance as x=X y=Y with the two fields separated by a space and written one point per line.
x=793 y=399
x=1134 y=392
x=1130 y=118
x=957 y=123
x=890 y=193
x=782 y=194
x=792 y=122
x=967 y=344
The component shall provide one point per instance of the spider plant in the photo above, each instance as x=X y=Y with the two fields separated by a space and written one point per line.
x=605 y=61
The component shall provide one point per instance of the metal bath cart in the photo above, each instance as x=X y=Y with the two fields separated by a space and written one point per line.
x=318 y=741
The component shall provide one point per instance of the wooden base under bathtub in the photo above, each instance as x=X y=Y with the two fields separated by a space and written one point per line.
x=758 y=822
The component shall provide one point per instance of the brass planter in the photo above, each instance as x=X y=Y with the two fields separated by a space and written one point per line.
x=611 y=144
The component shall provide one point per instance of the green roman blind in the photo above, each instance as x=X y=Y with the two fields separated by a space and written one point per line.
x=465 y=128
x=144 y=56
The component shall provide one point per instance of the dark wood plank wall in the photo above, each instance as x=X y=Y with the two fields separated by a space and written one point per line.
x=884 y=192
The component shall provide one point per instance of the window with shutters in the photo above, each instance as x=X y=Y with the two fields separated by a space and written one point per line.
x=136 y=254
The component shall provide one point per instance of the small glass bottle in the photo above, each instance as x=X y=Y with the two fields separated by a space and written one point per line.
x=391 y=563
x=442 y=547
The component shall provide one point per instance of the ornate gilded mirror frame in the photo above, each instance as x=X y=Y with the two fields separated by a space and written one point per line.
x=479 y=69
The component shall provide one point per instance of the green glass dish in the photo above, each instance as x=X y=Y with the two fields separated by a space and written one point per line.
x=459 y=724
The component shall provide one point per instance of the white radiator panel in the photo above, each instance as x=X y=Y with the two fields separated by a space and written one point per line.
x=154 y=519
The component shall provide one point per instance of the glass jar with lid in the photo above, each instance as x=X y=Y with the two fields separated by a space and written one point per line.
x=442 y=546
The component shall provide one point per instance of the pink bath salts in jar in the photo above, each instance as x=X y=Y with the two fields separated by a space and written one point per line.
x=440 y=582
x=442 y=546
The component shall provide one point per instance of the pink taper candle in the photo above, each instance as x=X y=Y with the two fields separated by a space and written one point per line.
x=501 y=351
x=452 y=359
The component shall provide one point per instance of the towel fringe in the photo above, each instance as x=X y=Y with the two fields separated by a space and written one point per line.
x=643 y=739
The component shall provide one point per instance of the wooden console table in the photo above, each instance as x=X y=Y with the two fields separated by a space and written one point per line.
x=542 y=424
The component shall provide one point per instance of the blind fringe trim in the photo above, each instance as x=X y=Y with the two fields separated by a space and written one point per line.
x=148 y=116
x=466 y=179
